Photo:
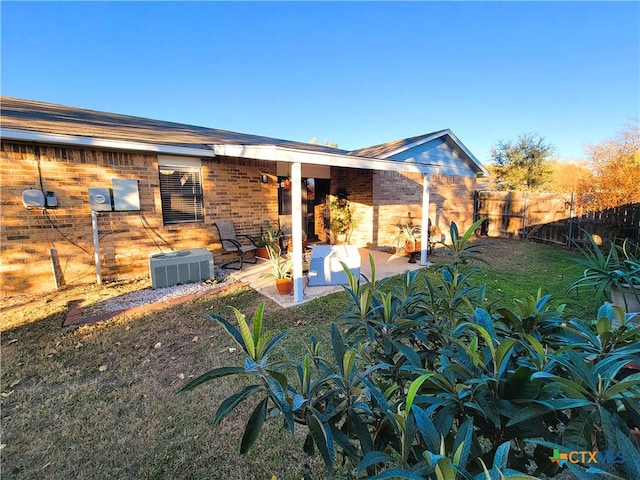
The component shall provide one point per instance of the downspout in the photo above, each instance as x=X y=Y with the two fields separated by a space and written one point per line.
x=296 y=230
x=424 y=228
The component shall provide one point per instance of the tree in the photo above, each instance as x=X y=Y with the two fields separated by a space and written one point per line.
x=523 y=164
x=616 y=171
x=567 y=176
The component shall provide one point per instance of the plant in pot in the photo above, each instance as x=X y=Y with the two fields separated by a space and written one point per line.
x=281 y=268
x=342 y=222
x=271 y=236
x=409 y=238
x=616 y=272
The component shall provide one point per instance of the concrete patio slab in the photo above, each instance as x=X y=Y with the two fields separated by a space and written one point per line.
x=387 y=265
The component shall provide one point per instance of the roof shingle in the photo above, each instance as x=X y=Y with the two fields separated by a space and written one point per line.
x=44 y=117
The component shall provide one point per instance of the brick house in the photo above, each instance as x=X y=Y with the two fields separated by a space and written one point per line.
x=188 y=177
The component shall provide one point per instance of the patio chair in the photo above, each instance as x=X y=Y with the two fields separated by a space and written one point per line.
x=230 y=242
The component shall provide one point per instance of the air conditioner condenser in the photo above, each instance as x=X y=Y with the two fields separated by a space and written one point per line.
x=183 y=266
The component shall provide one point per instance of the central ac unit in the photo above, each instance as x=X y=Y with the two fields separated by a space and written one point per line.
x=184 y=266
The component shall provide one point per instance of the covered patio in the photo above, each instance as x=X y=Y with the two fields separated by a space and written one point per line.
x=295 y=160
x=387 y=265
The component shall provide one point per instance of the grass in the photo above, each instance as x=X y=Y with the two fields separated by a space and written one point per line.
x=100 y=401
x=516 y=269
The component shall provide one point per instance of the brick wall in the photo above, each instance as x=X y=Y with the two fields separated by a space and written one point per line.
x=358 y=185
x=232 y=189
x=380 y=200
x=454 y=197
x=398 y=197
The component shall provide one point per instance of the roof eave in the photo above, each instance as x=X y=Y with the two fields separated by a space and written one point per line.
x=292 y=155
x=94 y=142
x=257 y=152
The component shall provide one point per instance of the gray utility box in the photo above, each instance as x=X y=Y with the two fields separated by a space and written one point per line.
x=184 y=266
x=125 y=194
x=325 y=267
x=100 y=199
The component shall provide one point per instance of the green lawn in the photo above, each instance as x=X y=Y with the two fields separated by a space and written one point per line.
x=99 y=402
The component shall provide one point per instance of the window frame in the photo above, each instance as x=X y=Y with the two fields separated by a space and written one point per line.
x=184 y=189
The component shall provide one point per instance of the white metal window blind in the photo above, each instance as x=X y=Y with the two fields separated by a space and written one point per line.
x=181 y=194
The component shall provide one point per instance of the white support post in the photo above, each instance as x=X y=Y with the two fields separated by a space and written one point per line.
x=424 y=228
x=296 y=230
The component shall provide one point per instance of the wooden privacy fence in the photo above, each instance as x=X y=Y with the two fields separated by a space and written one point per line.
x=552 y=217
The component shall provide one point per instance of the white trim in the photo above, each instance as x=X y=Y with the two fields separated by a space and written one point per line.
x=94 y=142
x=275 y=153
x=257 y=152
x=296 y=230
x=424 y=227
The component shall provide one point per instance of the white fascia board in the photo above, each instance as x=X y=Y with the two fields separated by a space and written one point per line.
x=94 y=142
x=282 y=154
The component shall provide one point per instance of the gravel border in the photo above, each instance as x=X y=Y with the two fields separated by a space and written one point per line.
x=149 y=295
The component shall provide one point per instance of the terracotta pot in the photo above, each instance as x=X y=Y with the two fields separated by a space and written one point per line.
x=409 y=246
x=284 y=285
x=262 y=252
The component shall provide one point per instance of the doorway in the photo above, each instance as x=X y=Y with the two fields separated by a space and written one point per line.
x=314 y=203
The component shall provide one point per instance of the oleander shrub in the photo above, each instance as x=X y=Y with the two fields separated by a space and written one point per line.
x=423 y=380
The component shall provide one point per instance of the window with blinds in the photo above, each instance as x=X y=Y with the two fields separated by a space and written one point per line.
x=181 y=194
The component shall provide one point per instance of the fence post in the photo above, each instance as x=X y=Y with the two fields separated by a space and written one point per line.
x=524 y=215
x=571 y=221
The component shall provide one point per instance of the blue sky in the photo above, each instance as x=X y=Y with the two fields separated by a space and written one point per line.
x=357 y=73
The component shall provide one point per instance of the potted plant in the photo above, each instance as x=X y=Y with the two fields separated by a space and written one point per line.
x=409 y=237
x=271 y=235
x=616 y=272
x=341 y=219
x=261 y=251
x=281 y=268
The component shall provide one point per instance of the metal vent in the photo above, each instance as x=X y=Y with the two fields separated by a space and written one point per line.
x=184 y=266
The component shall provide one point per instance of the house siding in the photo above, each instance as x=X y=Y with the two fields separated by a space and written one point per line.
x=438 y=153
x=232 y=189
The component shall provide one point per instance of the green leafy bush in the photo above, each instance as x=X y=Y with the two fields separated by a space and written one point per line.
x=425 y=381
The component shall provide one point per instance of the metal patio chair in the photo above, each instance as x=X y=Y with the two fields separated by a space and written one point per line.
x=230 y=242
